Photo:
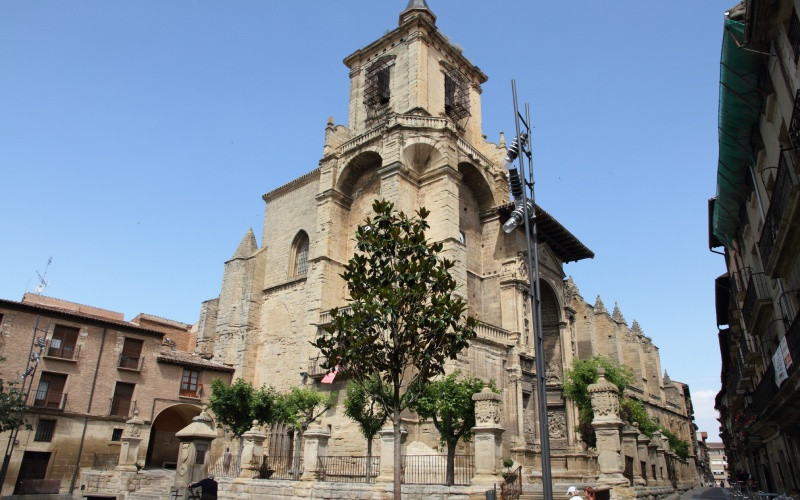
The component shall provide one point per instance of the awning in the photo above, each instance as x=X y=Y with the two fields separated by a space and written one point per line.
x=739 y=110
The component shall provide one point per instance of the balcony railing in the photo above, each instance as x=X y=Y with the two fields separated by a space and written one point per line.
x=121 y=407
x=785 y=186
x=794 y=123
x=756 y=302
x=432 y=469
x=127 y=362
x=495 y=333
x=325 y=317
x=793 y=342
x=68 y=352
x=765 y=391
x=54 y=400
x=189 y=391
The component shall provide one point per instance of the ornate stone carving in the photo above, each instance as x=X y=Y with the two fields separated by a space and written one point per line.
x=487 y=408
x=556 y=424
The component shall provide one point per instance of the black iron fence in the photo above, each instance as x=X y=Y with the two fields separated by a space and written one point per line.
x=280 y=467
x=348 y=469
x=225 y=465
x=432 y=469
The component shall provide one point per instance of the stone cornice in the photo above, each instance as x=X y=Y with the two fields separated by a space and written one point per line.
x=291 y=186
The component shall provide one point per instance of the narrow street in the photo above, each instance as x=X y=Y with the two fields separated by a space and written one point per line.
x=706 y=493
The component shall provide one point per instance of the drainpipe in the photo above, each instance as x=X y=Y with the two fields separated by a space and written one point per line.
x=88 y=411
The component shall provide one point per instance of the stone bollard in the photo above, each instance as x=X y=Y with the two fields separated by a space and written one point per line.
x=487 y=438
x=630 y=449
x=131 y=439
x=654 y=479
x=315 y=445
x=252 y=451
x=607 y=425
x=661 y=462
x=644 y=458
x=387 y=452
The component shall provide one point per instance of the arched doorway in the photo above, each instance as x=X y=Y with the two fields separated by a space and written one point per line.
x=162 y=449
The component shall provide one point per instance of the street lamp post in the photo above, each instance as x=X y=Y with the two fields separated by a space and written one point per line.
x=525 y=213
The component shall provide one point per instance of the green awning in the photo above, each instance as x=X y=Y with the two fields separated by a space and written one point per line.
x=739 y=110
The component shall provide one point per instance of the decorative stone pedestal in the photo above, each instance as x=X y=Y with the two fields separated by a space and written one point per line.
x=131 y=439
x=194 y=449
x=487 y=437
x=387 y=452
x=252 y=451
x=607 y=425
x=315 y=444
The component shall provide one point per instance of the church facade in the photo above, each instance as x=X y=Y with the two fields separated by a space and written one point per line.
x=414 y=137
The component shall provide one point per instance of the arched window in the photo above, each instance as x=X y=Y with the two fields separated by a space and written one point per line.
x=300 y=254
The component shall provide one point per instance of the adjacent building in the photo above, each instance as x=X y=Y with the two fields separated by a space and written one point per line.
x=413 y=136
x=86 y=371
x=755 y=220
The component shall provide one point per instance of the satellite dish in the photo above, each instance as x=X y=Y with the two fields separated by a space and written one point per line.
x=40 y=288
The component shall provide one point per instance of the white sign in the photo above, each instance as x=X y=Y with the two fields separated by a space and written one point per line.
x=780 y=367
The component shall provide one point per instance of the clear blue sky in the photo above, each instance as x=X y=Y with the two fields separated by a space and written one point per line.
x=136 y=140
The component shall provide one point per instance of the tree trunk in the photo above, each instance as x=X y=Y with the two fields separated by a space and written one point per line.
x=398 y=456
x=450 y=475
x=369 y=459
x=296 y=458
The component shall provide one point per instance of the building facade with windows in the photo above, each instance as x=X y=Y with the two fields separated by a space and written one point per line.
x=87 y=372
x=413 y=136
x=755 y=220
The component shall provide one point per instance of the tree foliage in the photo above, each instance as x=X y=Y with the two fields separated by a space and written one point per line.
x=237 y=405
x=576 y=387
x=448 y=403
x=404 y=321
x=363 y=405
x=298 y=409
x=12 y=405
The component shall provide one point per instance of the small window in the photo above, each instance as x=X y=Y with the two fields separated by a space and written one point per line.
x=456 y=96
x=63 y=343
x=300 y=254
x=189 y=386
x=116 y=434
x=44 y=430
x=377 y=92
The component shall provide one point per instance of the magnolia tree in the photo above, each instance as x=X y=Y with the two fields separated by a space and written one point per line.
x=403 y=322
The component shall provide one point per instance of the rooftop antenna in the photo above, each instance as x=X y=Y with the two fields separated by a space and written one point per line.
x=42 y=281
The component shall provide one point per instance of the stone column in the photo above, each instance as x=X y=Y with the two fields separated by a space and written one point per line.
x=641 y=445
x=387 y=452
x=315 y=444
x=607 y=425
x=131 y=439
x=487 y=438
x=252 y=451
x=654 y=478
x=630 y=449
x=661 y=463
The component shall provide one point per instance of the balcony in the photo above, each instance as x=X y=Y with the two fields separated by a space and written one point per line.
x=132 y=363
x=189 y=391
x=778 y=244
x=62 y=351
x=121 y=407
x=794 y=123
x=52 y=400
x=749 y=350
x=757 y=303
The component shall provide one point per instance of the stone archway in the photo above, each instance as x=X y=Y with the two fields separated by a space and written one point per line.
x=162 y=449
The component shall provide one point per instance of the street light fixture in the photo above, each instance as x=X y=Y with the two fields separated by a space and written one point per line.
x=525 y=213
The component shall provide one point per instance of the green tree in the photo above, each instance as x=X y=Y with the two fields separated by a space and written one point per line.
x=576 y=387
x=448 y=402
x=12 y=405
x=298 y=408
x=362 y=404
x=237 y=405
x=404 y=321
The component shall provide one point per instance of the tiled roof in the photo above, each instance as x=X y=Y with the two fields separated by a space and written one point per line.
x=192 y=360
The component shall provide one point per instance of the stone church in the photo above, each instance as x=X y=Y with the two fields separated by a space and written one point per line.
x=413 y=136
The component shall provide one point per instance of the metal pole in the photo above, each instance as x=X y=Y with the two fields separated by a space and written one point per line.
x=532 y=254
